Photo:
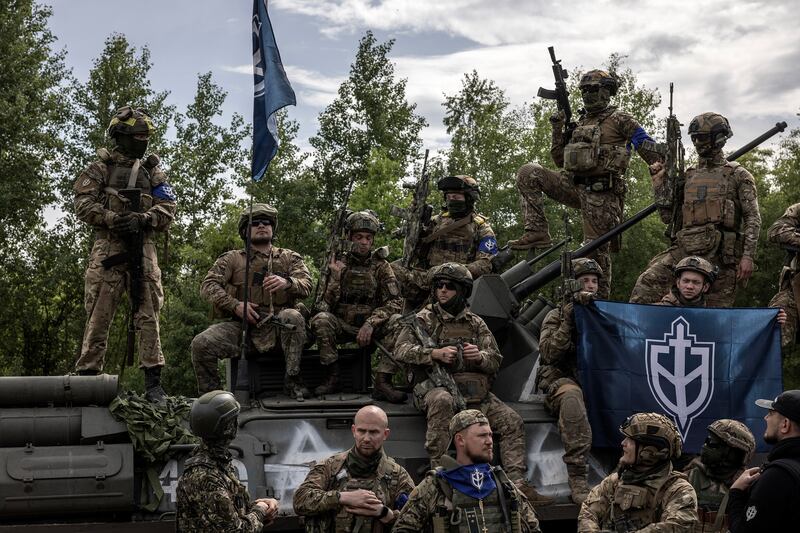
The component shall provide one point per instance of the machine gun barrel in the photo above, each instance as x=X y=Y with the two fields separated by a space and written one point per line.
x=779 y=127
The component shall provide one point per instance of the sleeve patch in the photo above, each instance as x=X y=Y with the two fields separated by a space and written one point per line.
x=488 y=245
x=165 y=191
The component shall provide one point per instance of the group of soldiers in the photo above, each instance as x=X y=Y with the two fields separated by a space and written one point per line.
x=418 y=314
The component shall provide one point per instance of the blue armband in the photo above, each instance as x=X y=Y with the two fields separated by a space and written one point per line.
x=164 y=191
x=639 y=136
x=488 y=245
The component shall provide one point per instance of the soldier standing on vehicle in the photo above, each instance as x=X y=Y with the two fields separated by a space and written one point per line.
x=361 y=294
x=457 y=235
x=457 y=359
x=272 y=309
x=558 y=377
x=593 y=162
x=719 y=219
x=210 y=497
x=468 y=494
x=645 y=490
x=786 y=233
x=728 y=448
x=360 y=490
x=99 y=203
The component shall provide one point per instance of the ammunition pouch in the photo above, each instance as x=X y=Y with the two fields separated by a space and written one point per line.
x=710 y=210
x=354 y=314
x=582 y=154
x=614 y=158
x=699 y=240
x=474 y=386
x=601 y=183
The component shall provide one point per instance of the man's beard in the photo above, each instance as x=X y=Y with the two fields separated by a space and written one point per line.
x=482 y=457
x=261 y=239
x=770 y=439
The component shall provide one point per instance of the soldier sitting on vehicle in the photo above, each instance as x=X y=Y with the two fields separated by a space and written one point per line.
x=694 y=277
x=361 y=293
x=361 y=489
x=456 y=359
x=726 y=452
x=272 y=309
x=468 y=494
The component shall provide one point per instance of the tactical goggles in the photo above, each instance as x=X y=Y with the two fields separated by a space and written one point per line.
x=260 y=222
x=590 y=88
x=701 y=137
x=444 y=284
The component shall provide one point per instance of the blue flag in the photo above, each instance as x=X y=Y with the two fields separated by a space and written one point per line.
x=271 y=90
x=694 y=365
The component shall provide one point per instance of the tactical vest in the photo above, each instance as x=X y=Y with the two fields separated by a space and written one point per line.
x=463 y=514
x=117 y=179
x=589 y=154
x=359 y=293
x=636 y=506
x=260 y=267
x=710 y=495
x=457 y=246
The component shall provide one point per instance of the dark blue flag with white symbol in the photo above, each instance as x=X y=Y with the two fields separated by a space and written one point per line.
x=271 y=90
x=693 y=365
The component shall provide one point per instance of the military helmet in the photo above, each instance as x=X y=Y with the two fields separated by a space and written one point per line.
x=583 y=265
x=454 y=272
x=363 y=221
x=461 y=183
x=601 y=78
x=212 y=412
x=736 y=435
x=712 y=124
x=699 y=265
x=653 y=429
x=130 y=121
x=259 y=211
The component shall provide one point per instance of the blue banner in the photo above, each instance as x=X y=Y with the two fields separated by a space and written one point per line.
x=271 y=90
x=693 y=365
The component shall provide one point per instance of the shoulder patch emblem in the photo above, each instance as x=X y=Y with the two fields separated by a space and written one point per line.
x=85 y=182
x=751 y=512
x=488 y=245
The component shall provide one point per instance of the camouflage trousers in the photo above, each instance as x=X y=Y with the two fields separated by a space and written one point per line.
x=331 y=330
x=221 y=341
x=103 y=291
x=600 y=211
x=505 y=422
x=413 y=283
x=658 y=279
x=786 y=299
x=565 y=400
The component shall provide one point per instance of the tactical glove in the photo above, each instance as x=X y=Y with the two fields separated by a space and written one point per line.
x=129 y=223
x=557 y=118
x=584 y=297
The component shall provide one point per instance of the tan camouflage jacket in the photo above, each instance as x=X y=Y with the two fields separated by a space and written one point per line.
x=436 y=321
x=674 y=299
x=211 y=499
x=428 y=497
x=557 y=352
x=473 y=245
x=670 y=499
x=786 y=232
x=93 y=196
x=317 y=495
x=223 y=286
x=383 y=284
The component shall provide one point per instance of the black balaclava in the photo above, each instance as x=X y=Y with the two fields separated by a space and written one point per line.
x=218 y=445
x=457 y=303
x=721 y=461
x=596 y=101
x=131 y=147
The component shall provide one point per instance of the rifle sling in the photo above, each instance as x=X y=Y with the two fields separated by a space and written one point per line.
x=447 y=229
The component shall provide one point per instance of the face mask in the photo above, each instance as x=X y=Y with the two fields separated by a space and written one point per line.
x=131 y=147
x=457 y=207
x=595 y=101
x=456 y=304
x=705 y=149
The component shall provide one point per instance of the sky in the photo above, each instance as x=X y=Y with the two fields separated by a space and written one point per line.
x=740 y=58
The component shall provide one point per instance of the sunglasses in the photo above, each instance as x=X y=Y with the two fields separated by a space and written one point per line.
x=701 y=137
x=444 y=284
x=590 y=88
x=260 y=222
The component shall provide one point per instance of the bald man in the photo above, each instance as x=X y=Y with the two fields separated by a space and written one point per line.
x=361 y=489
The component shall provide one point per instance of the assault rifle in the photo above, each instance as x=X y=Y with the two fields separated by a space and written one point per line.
x=669 y=194
x=336 y=242
x=132 y=256
x=560 y=94
x=436 y=372
x=416 y=217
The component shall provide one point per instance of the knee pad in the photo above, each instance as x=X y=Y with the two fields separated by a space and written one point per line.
x=573 y=409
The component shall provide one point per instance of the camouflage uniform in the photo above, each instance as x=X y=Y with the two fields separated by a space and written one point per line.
x=474 y=381
x=786 y=232
x=594 y=184
x=317 y=497
x=719 y=222
x=98 y=203
x=210 y=497
x=675 y=299
x=224 y=288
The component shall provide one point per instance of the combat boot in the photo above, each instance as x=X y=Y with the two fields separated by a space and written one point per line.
x=331 y=383
x=532 y=239
x=382 y=389
x=294 y=388
x=578 y=485
x=530 y=492
x=153 y=392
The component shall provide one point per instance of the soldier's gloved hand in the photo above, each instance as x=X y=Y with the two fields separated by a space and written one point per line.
x=558 y=118
x=125 y=224
x=584 y=297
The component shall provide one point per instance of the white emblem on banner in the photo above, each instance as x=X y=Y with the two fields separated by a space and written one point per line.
x=477 y=479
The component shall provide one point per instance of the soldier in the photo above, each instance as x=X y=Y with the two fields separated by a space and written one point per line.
x=558 y=378
x=718 y=219
x=361 y=294
x=360 y=490
x=694 y=277
x=645 y=490
x=593 y=164
x=272 y=308
x=100 y=203
x=468 y=494
x=457 y=235
x=210 y=497
x=456 y=359
x=786 y=233
x=724 y=456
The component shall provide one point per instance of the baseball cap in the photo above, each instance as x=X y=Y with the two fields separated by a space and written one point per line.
x=466 y=418
x=787 y=403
